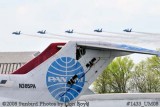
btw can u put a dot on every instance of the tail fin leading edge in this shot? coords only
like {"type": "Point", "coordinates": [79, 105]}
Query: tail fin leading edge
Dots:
{"type": "Point", "coordinates": [47, 53]}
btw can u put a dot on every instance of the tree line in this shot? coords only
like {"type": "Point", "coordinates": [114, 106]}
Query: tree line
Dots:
{"type": "Point", "coordinates": [122, 76]}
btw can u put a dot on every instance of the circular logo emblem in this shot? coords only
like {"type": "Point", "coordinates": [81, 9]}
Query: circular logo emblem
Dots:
{"type": "Point", "coordinates": [65, 79]}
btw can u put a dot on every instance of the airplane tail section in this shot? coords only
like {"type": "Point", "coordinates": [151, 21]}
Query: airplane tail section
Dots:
{"type": "Point", "coordinates": [66, 73]}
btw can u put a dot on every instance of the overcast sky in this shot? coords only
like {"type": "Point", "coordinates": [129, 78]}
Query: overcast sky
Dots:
{"type": "Point", "coordinates": [83, 16]}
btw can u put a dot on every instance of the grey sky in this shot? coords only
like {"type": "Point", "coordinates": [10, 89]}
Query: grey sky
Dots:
{"type": "Point", "coordinates": [56, 16]}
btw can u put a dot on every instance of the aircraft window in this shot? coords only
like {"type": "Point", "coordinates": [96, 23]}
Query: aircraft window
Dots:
{"type": "Point", "coordinates": [3, 81]}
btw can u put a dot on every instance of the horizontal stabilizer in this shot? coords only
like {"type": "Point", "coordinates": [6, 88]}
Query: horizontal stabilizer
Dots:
{"type": "Point", "coordinates": [118, 47]}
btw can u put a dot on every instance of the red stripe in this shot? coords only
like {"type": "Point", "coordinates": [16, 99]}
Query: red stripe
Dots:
{"type": "Point", "coordinates": [47, 53]}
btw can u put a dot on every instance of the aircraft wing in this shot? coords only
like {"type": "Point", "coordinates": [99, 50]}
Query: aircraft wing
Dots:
{"type": "Point", "coordinates": [118, 47]}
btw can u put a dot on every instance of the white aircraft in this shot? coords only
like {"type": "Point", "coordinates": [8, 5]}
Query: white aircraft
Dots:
{"type": "Point", "coordinates": [63, 71]}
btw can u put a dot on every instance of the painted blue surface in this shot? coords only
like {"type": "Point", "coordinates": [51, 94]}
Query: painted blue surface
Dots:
{"type": "Point", "coordinates": [59, 73]}
{"type": "Point", "coordinates": [139, 49]}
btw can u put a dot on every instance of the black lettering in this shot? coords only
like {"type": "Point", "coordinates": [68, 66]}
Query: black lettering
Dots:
{"type": "Point", "coordinates": [72, 80]}
{"type": "Point", "coordinates": [27, 86]}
